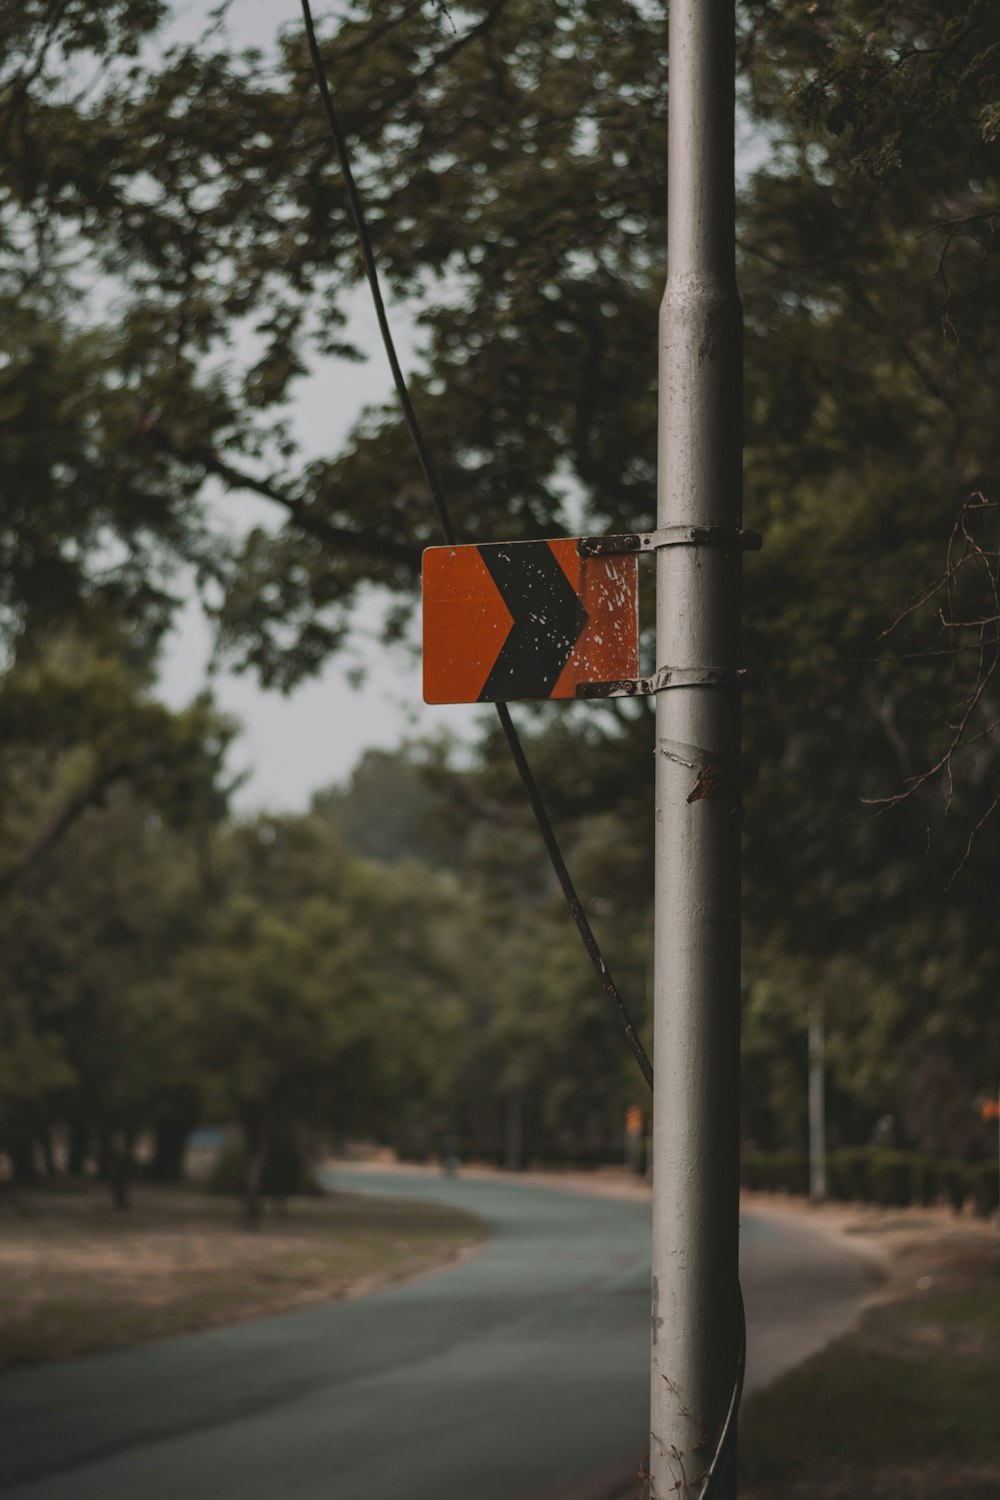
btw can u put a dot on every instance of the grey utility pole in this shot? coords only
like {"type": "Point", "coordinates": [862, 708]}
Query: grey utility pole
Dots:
{"type": "Point", "coordinates": [695, 1322]}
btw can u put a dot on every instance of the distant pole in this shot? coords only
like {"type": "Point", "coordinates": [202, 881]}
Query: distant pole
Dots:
{"type": "Point", "coordinates": [817, 1108]}
{"type": "Point", "coordinates": [695, 1334]}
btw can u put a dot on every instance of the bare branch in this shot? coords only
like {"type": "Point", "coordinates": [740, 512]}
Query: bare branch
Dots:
{"type": "Point", "coordinates": [970, 564]}
{"type": "Point", "coordinates": [336, 538]}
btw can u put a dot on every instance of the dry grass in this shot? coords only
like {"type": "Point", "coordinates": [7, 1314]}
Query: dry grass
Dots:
{"type": "Point", "coordinates": [904, 1408]}
{"type": "Point", "coordinates": [923, 1481]}
{"type": "Point", "coordinates": [78, 1276]}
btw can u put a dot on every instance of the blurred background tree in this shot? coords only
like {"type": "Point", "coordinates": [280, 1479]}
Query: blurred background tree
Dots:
{"type": "Point", "coordinates": [175, 249]}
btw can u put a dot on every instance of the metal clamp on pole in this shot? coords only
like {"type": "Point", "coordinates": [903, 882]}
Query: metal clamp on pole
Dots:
{"type": "Point", "coordinates": [628, 543]}
{"type": "Point", "coordinates": [667, 677]}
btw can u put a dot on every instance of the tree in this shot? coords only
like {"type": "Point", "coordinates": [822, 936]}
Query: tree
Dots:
{"type": "Point", "coordinates": [511, 157]}
{"type": "Point", "coordinates": [160, 206]}
{"type": "Point", "coordinates": [537, 1051]}
{"type": "Point", "coordinates": [79, 723]}
{"type": "Point", "coordinates": [390, 809]}
{"type": "Point", "coordinates": [107, 805]}
{"type": "Point", "coordinates": [871, 281]}
{"type": "Point", "coordinates": [324, 995]}
{"type": "Point", "coordinates": [89, 1016]}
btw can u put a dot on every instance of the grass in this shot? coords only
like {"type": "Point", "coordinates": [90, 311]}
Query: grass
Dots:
{"type": "Point", "coordinates": [904, 1408]}
{"type": "Point", "coordinates": [77, 1276]}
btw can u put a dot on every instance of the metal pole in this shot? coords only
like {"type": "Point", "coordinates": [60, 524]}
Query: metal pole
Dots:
{"type": "Point", "coordinates": [817, 1111]}
{"type": "Point", "coordinates": [695, 1334]}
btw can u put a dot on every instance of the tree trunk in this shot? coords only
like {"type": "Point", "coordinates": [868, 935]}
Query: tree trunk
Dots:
{"type": "Point", "coordinates": [79, 1149]}
{"type": "Point", "coordinates": [169, 1149]}
{"type": "Point", "coordinates": [22, 1159]}
{"type": "Point", "coordinates": [48, 1152]}
{"type": "Point", "coordinates": [120, 1170]}
{"type": "Point", "coordinates": [105, 1155]}
{"type": "Point", "coordinates": [257, 1133]}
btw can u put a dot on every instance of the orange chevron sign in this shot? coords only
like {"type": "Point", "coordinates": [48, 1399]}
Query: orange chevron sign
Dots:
{"type": "Point", "coordinates": [515, 620]}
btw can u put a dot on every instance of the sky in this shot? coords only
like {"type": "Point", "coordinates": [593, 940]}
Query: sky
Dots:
{"type": "Point", "coordinates": [292, 745]}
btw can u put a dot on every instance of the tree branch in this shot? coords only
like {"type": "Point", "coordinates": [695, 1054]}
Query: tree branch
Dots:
{"type": "Point", "coordinates": [336, 538]}
{"type": "Point", "coordinates": [60, 824]}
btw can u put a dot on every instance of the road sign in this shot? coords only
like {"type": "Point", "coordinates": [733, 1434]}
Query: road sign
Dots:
{"type": "Point", "coordinates": [511, 620]}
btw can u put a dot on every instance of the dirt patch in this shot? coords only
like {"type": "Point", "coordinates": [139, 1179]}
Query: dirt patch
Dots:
{"type": "Point", "coordinates": [77, 1276]}
{"type": "Point", "coordinates": [912, 1244]}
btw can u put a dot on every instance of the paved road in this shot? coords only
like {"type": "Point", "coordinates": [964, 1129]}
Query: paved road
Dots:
{"type": "Point", "coordinates": [520, 1375]}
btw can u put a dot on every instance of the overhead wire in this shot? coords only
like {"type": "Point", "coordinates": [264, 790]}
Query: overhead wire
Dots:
{"type": "Point", "coordinates": [510, 733]}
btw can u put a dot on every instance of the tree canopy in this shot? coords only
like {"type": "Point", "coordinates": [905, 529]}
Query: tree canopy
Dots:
{"type": "Point", "coordinates": [176, 249]}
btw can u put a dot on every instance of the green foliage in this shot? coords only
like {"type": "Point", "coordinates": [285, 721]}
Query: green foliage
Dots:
{"type": "Point", "coordinates": [512, 157]}
{"type": "Point", "coordinates": [106, 802]}
{"type": "Point", "coordinates": [905, 1399]}
{"type": "Point", "coordinates": [80, 707]}
{"type": "Point", "coordinates": [984, 1186]}
{"type": "Point", "coordinates": [389, 810]}
{"type": "Point", "coordinates": [775, 1172]}
{"type": "Point", "coordinates": [868, 1174]}
{"type": "Point", "coordinates": [88, 942]}
{"type": "Point", "coordinates": [286, 1172]}
{"type": "Point", "coordinates": [847, 1173]}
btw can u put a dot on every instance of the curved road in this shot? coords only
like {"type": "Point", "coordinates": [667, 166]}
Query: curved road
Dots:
{"type": "Point", "coordinates": [520, 1375]}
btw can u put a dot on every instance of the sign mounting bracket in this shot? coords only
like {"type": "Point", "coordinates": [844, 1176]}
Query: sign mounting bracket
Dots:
{"type": "Point", "coordinates": [627, 543]}
{"type": "Point", "coordinates": [664, 678]}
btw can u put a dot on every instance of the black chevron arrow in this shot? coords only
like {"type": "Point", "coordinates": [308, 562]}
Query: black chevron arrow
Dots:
{"type": "Point", "coordinates": [548, 620]}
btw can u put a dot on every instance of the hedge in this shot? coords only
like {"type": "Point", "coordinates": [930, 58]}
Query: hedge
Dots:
{"type": "Point", "coordinates": [869, 1174]}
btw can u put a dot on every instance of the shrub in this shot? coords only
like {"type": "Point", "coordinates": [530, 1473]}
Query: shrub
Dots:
{"type": "Point", "coordinates": [956, 1182]}
{"type": "Point", "coordinates": [847, 1174]}
{"type": "Point", "coordinates": [984, 1186]}
{"type": "Point", "coordinates": [890, 1175]}
{"type": "Point", "coordinates": [575, 1154]}
{"type": "Point", "coordinates": [287, 1172]}
{"type": "Point", "coordinates": [792, 1172]}
{"type": "Point", "coordinates": [755, 1171]}
{"type": "Point", "coordinates": [926, 1185]}
{"type": "Point", "coordinates": [413, 1151]}
{"type": "Point", "coordinates": [866, 1174]}
{"type": "Point", "coordinates": [775, 1171]}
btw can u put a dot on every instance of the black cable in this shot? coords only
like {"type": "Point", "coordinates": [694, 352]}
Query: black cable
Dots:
{"type": "Point", "coordinates": [447, 528]}
{"type": "Point", "coordinates": [503, 713]}
{"type": "Point", "coordinates": [734, 1400]}
{"type": "Point", "coordinates": [371, 271]}
{"type": "Point", "coordinates": [569, 890]}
